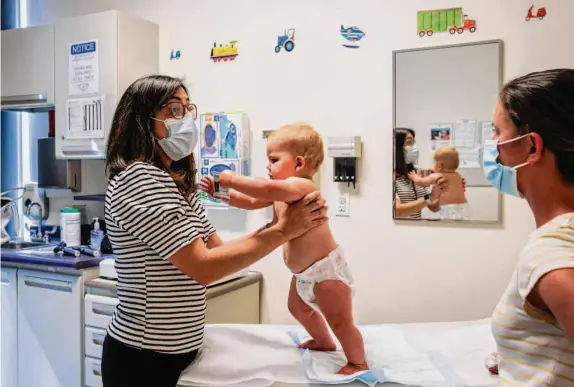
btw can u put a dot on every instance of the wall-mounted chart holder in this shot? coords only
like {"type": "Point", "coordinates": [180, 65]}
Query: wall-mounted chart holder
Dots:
{"type": "Point", "coordinates": [345, 152]}
{"type": "Point", "coordinates": [224, 145]}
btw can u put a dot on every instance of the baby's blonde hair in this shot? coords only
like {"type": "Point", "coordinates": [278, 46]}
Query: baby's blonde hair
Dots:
{"type": "Point", "coordinates": [301, 139]}
{"type": "Point", "coordinates": [448, 156]}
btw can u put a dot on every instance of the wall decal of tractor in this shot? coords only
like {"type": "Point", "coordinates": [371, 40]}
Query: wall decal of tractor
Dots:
{"type": "Point", "coordinates": [452, 20]}
{"type": "Point", "coordinates": [540, 13]}
{"type": "Point", "coordinates": [286, 41]}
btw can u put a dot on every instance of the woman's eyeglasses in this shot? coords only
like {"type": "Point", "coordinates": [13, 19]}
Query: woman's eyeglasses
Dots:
{"type": "Point", "coordinates": [178, 110]}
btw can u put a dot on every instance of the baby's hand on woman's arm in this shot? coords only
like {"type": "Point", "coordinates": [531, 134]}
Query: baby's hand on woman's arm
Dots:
{"type": "Point", "coordinates": [416, 178]}
{"type": "Point", "coordinates": [207, 185]}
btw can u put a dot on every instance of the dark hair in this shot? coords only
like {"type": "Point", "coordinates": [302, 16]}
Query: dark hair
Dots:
{"type": "Point", "coordinates": [412, 132]}
{"type": "Point", "coordinates": [131, 137]}
{"type": "Point", "coordinates": [401, 166]}
{"type": "Point", "coordinates": [543, 103]}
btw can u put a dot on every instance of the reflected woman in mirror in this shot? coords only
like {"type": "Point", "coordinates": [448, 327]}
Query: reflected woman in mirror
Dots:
{"type": "Point", "coordinates": [409, 198]}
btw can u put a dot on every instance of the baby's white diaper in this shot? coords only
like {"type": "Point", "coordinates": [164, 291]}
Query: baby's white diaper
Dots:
{"type": "Point", "coordinates": [454, 211]}
{"type": "Point", "coordinates": [332, 267]}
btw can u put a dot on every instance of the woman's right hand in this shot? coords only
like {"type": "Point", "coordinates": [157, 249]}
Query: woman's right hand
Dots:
{"type": "Point", "coordinates": [298, 218]}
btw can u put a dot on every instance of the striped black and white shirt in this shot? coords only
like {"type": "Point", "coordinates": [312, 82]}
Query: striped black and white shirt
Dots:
{"type": "Point", "coordinates": [407, 192]}
{"type": "Point", "coordinates": [148, 220]}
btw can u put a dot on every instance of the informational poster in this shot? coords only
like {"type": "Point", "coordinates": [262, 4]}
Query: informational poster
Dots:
{"type": "Point", "coordinates": [469, 158]}
{"type": "Point", "coordinates": [440, 135]}
{"type": "Point", "coordinates": [465, 134]}
{"type": "Point", "coordinates": [85, 118]}
{"type": "Point", "coordinates": [83, 68]}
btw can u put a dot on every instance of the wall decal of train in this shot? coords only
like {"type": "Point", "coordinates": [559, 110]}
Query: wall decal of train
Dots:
{"type": "Point", "coordinates": [451, 20]}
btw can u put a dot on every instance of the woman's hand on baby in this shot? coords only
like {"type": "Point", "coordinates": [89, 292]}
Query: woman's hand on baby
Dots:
{"type": "Point", "coordinates": [441, 182]}
{"type": "Point", "coordinates": [300, 217]}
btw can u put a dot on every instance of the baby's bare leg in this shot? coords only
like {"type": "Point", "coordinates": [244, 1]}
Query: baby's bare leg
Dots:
{"type": "Point", "coordinates": [312, 321]}
{"type": "Point", "coordinates": [334, 299]}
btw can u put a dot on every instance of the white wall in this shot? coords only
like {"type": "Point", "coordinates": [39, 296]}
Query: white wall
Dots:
{"type": "Point", "coordinates": [403, 272]}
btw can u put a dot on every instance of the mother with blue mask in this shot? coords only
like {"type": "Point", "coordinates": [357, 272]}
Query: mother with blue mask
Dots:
{"type": "Point", "coordinates": [166, 249]}
{"type": "Point", "coordinates": [531, 156]}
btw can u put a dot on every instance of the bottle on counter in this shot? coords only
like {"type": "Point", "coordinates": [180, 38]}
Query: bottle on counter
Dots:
{"type": "Point", "coordinates": [96, 236]}
{"type": "Point", "coordinates": [70, 226]}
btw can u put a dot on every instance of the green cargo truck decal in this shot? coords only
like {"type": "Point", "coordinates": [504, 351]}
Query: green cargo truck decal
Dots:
{"type": "Point", "coordinates": [452, 20]}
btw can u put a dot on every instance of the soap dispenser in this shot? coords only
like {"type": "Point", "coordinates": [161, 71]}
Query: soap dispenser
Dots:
{"type": "Point", "coordinates": [96, 236]}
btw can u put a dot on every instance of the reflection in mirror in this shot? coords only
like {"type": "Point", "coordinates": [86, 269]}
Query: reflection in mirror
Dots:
{"type": "Point", "coordinates": [444, 99]}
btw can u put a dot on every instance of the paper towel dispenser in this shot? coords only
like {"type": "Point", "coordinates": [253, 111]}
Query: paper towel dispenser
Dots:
{"type": "Point", "coordinates": [57, 173]}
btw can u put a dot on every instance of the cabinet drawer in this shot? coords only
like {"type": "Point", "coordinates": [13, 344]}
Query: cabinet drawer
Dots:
{"type": "Point", "coordinates": [99, 310]}
{"type": "Point", "coordinates": [94, 340]}
{"type": "Point", "coordinates": [93, 373]}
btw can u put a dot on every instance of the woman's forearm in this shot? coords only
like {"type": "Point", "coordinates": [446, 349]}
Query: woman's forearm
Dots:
{"type": "Point", "coordinates": [434, 206]}
{"type": "Point", "coordinates": [209, 265]}
{"type": "Point", "coordinates": [405, 209]}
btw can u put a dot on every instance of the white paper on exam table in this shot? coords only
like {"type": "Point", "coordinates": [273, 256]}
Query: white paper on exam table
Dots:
{"type": "Point", "coordinates": [466, 360]}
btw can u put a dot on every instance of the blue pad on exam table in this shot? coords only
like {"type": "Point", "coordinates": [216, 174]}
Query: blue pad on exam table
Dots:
{"type": "Point", "coordinates": [433, 354]}
{"type": "Point", "coordinates": [391, 358]}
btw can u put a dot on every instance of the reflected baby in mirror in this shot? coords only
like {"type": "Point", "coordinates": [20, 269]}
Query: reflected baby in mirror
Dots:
{"type": "Point", "coordinates": [453, 203]}
{"type": "Point", "coordinates": [322, 284]}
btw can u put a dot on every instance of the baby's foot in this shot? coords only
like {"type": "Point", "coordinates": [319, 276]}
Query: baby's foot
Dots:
{"type": "Point", "coordinates": [351, 369]}
{"type": "Point", "coordinates": [312, 345]}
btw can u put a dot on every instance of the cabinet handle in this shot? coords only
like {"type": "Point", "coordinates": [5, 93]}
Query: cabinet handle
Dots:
{"type": "Point", "coordinates": [98, 339]}
{"type": "Point", "coordinates": [51, 284]}
{"type": "Point", "coordinates": [103, 309]}
{"type": "Point", "coordinates": [97, 369]}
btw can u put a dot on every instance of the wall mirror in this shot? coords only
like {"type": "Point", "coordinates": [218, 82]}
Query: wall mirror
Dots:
{"type": "Point", "coordinates": [444, 99]}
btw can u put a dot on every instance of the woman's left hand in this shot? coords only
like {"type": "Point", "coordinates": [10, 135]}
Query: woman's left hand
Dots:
{"type": "Point", "coordinates": [441, 183]}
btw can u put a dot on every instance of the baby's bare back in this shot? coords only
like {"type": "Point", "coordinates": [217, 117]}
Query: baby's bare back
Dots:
{"type": "Point", "coordinates": [454, 193]}
{"type": "Point", "coordinates": [303, 251]}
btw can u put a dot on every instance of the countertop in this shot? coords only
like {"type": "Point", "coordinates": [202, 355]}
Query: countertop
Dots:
{"type": "Point", "coordinates": [44, 259]}
{"type": "Point", "coordinates": [212, 291]}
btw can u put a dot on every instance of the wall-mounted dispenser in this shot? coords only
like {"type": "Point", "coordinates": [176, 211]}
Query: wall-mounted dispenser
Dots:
{"type": "Point", "coordinates": [345, 152]}
{"type": "Point", "coordinates": [57, 173]}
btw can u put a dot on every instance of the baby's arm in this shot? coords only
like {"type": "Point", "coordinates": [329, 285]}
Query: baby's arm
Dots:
{"type": "Point", "coordinates": [234, 199]}
{"type": "Point", "coordinates": [246, 202]}
{"type": "Point", "coordinates": [427, 181]}
{"type": "Point", "coordinates": [288, 190]}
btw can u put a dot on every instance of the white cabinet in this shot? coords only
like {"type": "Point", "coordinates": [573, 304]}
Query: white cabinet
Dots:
{"type": "Point", "coordinates": [49, 329]}
{"type": "Point", "coordinates": [9, 327]}
{"type": "Point", "coordinates": [28, 67]}
{"type": "Point", "coordinates": [118, 48]}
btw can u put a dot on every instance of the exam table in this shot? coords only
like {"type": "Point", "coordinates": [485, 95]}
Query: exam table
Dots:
{"type": "Point", "coordinates": [235, 350]}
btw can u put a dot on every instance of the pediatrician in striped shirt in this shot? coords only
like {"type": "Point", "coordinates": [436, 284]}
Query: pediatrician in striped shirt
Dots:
{"type": "Point", "coordinates": [532, 157]}
{"type": "Point", "coordinates": [166, 249]}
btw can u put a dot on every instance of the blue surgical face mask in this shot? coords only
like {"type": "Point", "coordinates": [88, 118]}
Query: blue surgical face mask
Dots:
{"type": "Point", "coordinates": [412, 155]}
{"type": "Point", "coordinates": [182, 139]}
{"type": "Point", "coordinates": [501, 177]}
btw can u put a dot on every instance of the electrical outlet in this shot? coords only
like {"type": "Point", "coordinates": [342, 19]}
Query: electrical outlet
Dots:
{"type": "Point", "coordinates": [342, 208]}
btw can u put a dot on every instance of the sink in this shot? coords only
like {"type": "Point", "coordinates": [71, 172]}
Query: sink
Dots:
{"type": "Point", "coordinates": [22, 245]}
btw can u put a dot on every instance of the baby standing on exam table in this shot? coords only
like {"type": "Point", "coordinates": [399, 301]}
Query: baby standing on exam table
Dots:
{"type": "Point", "coordinates": [453, 203]}
{"type": "Point", "coordinates": [322, 282]}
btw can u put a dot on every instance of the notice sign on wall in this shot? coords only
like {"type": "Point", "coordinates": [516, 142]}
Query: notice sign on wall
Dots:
{"type": "Point", "coordinates": [83, 70]}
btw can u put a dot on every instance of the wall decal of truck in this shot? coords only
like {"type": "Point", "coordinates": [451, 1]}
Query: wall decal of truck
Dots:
{"type": "Point", "coordinates": [452, 20]}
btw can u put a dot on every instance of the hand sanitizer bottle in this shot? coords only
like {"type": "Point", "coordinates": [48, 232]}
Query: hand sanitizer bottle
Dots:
{"type": "Point", "coordinates": [96, 236]}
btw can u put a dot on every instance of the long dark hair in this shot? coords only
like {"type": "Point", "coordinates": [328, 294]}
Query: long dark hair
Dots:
{"type": "Point", "coordinates": [402, 168]}
{"type": "Point", "coordinates": [543, 103]}
{"type": "Point", "coordinates": [131, 136]}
